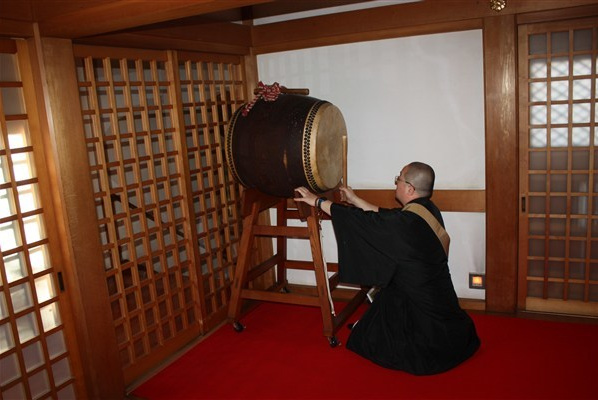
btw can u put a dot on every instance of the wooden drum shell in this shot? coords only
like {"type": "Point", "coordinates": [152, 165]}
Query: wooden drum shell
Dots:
{"type": "Point", "coordinates": [293, 141]}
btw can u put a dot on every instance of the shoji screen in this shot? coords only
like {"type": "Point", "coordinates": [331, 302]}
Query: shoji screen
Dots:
{"type": "Point", "coordinates": [168, 211]}
{"type": "Point", "coordinates": [35, 353]}
{"type": "Point", "coordinates": [558, 169]}
{"type": "Point", "coordinates": [211, 89]}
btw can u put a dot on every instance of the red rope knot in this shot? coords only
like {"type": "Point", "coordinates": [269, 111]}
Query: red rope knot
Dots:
{"type": "Point", "coordinates": [266, 92]}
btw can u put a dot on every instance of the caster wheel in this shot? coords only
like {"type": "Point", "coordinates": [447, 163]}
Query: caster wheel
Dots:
{"type": "Point", "coordinates": [333, 341]}
{"type": "Point", "coordinates": [238, 327]}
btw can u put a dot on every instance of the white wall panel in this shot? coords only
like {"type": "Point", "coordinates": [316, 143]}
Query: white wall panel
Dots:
{"type": "Point", "coordinates": [417, 98]}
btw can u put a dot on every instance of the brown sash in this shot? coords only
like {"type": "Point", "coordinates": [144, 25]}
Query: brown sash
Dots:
{"type": "Point", "coordinates": [423, 212]}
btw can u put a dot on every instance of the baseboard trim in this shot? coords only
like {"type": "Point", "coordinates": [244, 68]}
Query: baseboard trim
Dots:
{"type": "Point", "coordinates": [347, 293]}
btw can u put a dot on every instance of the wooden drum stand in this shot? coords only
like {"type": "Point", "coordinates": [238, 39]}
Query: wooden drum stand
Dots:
{"type": "Point", "coordinates": [253, 203]}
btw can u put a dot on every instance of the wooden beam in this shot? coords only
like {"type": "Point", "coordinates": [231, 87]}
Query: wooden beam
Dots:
{"type": "Point", "coordinates": [144, 41]}
{"type": "Point", "coordinates": [217, 32]}
{"type": "Point", "coordinates": [552, 15]}
{"type": "Point", "coordinates": [117, 52]}
{"type": "Point", "coordinates": [8, 46]}
{"type": "Point", "coordinates": [117, 15]}
{"type": "Point", "coordinates": [12, 28]}
{"type": "Point", "coordinates": [424, 17]}
{"type": "Point", "coordinates": [222, 37]}
{"type": "Point", "coordinates": [446, 200]}
{"type": "Point", "coordinates": [357, 36]}
{"type": "Point", "coordinates": [500, 81]}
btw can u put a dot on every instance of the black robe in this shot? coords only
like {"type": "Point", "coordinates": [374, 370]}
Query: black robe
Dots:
{"type": "Point", "coordinates": [415, 323]}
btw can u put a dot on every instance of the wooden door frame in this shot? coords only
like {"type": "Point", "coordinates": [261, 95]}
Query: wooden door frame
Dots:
{"type": "Point", "coordinates": [60, 124]}
{"type": "Point", "coordinates": [502, 190]}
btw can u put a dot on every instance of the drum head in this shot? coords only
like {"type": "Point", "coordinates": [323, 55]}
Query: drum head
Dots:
{"type": "Point", "coordinates": [324, 142]}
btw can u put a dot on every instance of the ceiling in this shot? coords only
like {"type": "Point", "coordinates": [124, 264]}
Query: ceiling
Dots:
{"type": "Point", "coordinates": [223, 26]}
{"type": "Point", "coordinates": [82, 18]}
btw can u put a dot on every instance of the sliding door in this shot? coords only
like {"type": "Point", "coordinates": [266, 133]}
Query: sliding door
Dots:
{"type": "Point", "coordinates": [211, 89]}
{"type": "Point", "coordinates": [37, 350]}
{"type": "Point", "coordinates": [558, 261]}
{"type": "Point", "coordinates": [167, 210]}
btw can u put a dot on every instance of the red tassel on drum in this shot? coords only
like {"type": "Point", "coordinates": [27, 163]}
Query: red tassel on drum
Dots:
{"type": "Point", "coordinates": [266, 92]}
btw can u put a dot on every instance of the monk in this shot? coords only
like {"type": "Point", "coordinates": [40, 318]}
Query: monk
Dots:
{"type": "Point", "coordinates": [415, 323]}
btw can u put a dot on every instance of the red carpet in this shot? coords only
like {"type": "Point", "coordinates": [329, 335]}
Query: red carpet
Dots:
{"type": "Point", "coordinates": [282, 354]}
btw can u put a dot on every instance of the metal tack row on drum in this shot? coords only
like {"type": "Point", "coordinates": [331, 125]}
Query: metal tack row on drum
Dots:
{"type": "Point", "coordinates": [293, 141]}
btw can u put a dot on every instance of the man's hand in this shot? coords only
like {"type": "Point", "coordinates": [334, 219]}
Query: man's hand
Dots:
{"type": "Point", "coordinates": [306, 196]}
{"type": "Point", "coordinates": [348, 195]}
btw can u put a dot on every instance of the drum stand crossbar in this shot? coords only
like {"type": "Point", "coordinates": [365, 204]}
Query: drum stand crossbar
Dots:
{"type": "Point", "coordinates": [255, 202]}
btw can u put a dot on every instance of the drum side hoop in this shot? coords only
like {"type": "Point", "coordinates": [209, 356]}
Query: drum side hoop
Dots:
{"type": "Point", "coordinates": [307, 130]}
{"type": "Point", "coordinates": [228, 146]}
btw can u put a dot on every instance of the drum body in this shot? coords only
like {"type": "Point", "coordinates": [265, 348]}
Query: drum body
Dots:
{"type": "Point", "coordinates": [293, 141]}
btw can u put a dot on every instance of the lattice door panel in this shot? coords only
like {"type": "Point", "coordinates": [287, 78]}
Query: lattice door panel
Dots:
{"type": "Point", "coordinates": [212, 89]}
{"type": "Point", "coordinates": [559, 168]}
{"type": "Point", "coordinates": [34, 357]}
{"type": "Point", "coordinates": [135, 156]}
{"type": "Point", "coordinates": [168, 211]}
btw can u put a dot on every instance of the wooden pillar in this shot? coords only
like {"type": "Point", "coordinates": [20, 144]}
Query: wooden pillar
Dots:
{"type": "Point", "coordinates": [263, 248]}
{"type": "Point", "coordinates": [500, 68]}
{"type": "Point", "coordinates": [85, 280]}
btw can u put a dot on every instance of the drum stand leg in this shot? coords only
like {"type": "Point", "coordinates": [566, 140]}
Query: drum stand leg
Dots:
{"type": "Point", "coordinates": [245, 273]}
{"type": "Point", "coordinates": [243, 261]}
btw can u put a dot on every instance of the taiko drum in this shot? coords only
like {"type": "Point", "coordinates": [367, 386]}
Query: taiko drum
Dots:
{"type": "Point", "coordinates": [292, 141]}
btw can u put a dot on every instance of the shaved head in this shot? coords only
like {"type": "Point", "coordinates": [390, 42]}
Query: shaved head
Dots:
{"type": "Point", "coordinates": [421, 176]}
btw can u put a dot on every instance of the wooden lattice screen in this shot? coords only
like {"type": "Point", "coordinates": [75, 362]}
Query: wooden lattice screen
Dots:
{"type": "Point", "coordinates": [559, 167]}
{"type": "Point", "coordinates": [167, 209]}
{"type": "Point", "coordinates": [35, 349]}
{"type": "Point", "coordinates": [211, 91]}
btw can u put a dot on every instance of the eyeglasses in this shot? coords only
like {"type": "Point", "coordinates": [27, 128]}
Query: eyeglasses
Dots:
{"type": "Point", "coordinates": [398, 179]}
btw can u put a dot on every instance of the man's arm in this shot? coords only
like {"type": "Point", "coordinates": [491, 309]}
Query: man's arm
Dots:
{"type": "Point", "coordinates": [314, 201]}
{"type": "Point", "coordinates": [357, 201]}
